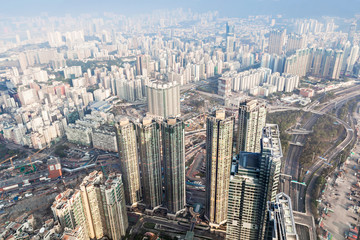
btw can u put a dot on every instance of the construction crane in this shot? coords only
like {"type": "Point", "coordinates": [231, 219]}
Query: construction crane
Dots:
{"type": "Point", "coordinates": [9, 159]}
{"type": "Point", "coordinates": [29, 158]}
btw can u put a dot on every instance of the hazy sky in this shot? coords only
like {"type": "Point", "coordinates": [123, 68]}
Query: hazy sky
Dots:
{"type": "Point", "coordinates": [231, 8]}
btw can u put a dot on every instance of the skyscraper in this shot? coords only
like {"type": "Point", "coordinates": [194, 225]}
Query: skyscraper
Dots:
{"type": "Point", "coordinates": [276, 41]}
{"type": "Point", "coordinates": [229, 29]}
{"type": "Point", "coordinates": [336, 64]}
{"type": "Point", "coordinates": [142, 62]}
{"type": "Point", "coordinates": [347, 49]}
{"type": "Point", "coordinates": [114, 206]}
{"type": "Point", "coordinates": [352, 31]}
{"type": "Point", "coordinates": [252, 117]}
{"type": "Point", "coordinates": [280, 220]}
{"type": "Point", "coordinates": [299, 63]}
{"type": "Point", "coordinates": [93, 206]}
{"type": "Point", "coordinates": [163, 99]}
{"type": "Point", "coordinates": [174, 164]}
{"type": "Point", "coordinates": [253, 183]}
{"type": "Point", "coordinates": [230, 41]}
{"type": "Point", "coordinates": [219, 140]}
{"type": "Point", "coordinates": [128, 154]}
{"type": "Point", "coordinates": [150, 156]}
{"type": "Point", "coordinates": [326, 62]}
{"type": "Point", "coordinates": [97, 210]}
{"type": "Point", "coordinates": [68, 209]}
{"type": "Point", "coordinates": [317, 61]}
{"type": "Point", "coordinates": [295, 42]}
{"type": "Point", "coordinates": [271, 144]}
{"type": "Point", "coordinates": [354, 55]}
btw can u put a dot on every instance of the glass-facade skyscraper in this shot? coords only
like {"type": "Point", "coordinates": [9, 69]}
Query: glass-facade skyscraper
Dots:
{"type": "Point", "coordinates": [253, 182]}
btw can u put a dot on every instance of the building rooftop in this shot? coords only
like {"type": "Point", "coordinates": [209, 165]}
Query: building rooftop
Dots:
{"type": "Point", "coordinates": [161, 85]}
{"type": "Point", "coordinates": [284, 202]}
{"type": "Point", "coordinates": [271, 140]}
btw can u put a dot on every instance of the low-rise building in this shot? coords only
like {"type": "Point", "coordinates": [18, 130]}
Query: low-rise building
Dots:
{"type": "Point", "coordinates": [307, 92]}
{"type": "Point", "coordinates": [79, 134]}
{"type": "Point", "coordinates": [104, 138]}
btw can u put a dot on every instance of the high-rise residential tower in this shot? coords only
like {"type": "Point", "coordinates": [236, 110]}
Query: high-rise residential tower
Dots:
{"type": "Point", "coordinates": [163, 99]}
{"type": "Point", "coordinates": [354, 55]}
{"type": "Point", "coordinates": [230, 41]}
{"type": "Point", "coordinates": [97, 210]}
{"type": "Point", "coordinates": [253, 182]}
{"type": "Point", "coordinates": [93, 206]}
{"type": "Point", "coordinates": [252, 117]}
{"type": "Point", "coordinates": [68, 209]}
{"type": "Point", "coordinates": [114, 205]}
{"type": "Point", "coordinates": [150, 156]}
{"type": "Point", "coordinates": [295, 42]}
{"type": "Point", "coordinates": [336, 64]}
{"type": "Point", "coordinates": [299, 63]}
{"type": "Point", "coordinates": [219, 140]}
{"type": "Point", "coordinates": [174, 164]}
{"type": "Point", "coordinates": [276, 41]}
{"type": "Point", "coordinates": [128, 153]}
{"type": "Point", "coordinates": [352, 31]}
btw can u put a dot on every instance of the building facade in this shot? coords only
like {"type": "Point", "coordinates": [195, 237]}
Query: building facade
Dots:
{"type": "Point", "coordinates": [114, 206]}
{"type": "Point", "coordinates": [68, 210]}
{"type": "Point", "coordinates": [253, 182]}
{"type": "Point", "coordinates": [150, 156]}
{"type": "Point", "coordinates": [174, 164]}
{"type": "Point", "coordinates": [276, 41]}
{"type": "Point", "coordinates": [163, 99]}
{"type": "Point", "coordinates": [93, 205]}
{"type": "Point", "coordinates": [95, 211]}
{"type": "Point", "coordinates": [252, 117]}
{"type": "Point", "coordinates": [219, 147]}
{"type": "Point", "coordinates": [280, 224]}
{"type": "Point", "coordinates": [104, 138]}
{"type": "Point", "coordinates": [128, 154]}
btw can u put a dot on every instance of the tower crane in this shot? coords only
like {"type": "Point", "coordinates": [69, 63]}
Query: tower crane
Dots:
{"type": "Point", "coordinates": [9, 159]}
{"type": "Point", "coordinates": [29, 158]}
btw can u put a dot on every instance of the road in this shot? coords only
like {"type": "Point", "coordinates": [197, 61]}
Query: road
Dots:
{"type": "Point", "coordinates": [296, 191]}
{"type": "Point", "coordinates": [181, 228]}
{"type": "Point", "coordinates": [310, 179]}
{"type": "Point", "coordinates": [291, 163]}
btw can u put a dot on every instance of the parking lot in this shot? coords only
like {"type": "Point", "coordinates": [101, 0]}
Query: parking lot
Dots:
{"type": "Point", "coordinates": [340, 200]}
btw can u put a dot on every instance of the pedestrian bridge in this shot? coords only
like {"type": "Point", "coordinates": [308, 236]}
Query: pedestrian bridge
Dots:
{"type": "Point", "coordinates": [297, 144]}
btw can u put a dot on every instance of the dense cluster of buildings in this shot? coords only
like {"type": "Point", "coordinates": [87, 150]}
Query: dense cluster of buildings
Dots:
{"type": "Point", "coordinates": [25, 227]}
{"type": "Point", "coordinates": [142, 141]}
{"type": "Point", "coordinates": [70, 87]}
{"type": "Point", "coordinates": [47, 87]}
{"type": "Point", "coordinates": [95, 210]}
{"type": "Point", "coordinates": [257, 82]}
{"type": "Point", "coordinates": [235, 181]}
{"type": "Point", "coordinates": [239, 185]}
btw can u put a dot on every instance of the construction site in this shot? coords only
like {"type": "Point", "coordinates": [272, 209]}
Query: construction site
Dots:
{"type": "Point", "coordinates": [29, 185]}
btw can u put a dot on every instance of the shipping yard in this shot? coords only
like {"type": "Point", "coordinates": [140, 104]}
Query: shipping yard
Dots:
{"type": "Point", "coordinates": [341, 200]}
{"type": "Point", "coordinates": [339, 204]}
